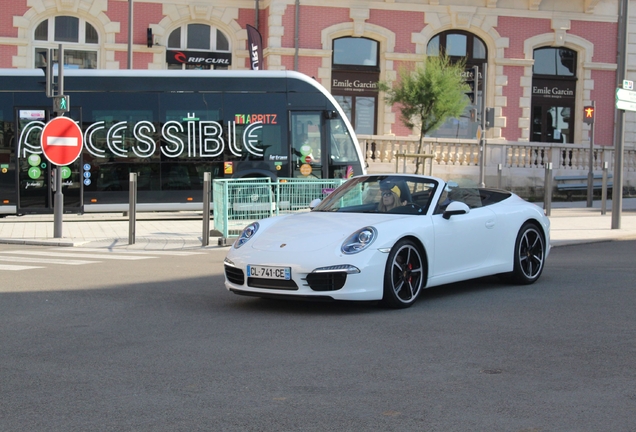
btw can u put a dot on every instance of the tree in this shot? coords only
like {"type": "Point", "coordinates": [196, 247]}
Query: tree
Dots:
{"type": "Point", "coordinates": [429, 95]}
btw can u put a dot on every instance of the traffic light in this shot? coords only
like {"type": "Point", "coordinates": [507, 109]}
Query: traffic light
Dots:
{"type": "Point", "coordinates": [490, 117]}
{"type": "Point", "coordinates": [61, 104]}
{"type": "Point", "coordinates": [470, 80]}
{"type": "Point", "coordinates": [588, 114]}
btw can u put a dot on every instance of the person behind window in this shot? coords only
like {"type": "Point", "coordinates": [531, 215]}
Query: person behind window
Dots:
{"type": "Point", "coordinates": [390, 198]}
{"type": "Point", "coordinates": [308, 151]}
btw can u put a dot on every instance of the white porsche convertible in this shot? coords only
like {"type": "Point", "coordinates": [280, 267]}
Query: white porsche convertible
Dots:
{"type": "Point", "coordinates": [387, 237]}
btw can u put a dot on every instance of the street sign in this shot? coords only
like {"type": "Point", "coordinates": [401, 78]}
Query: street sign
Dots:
{"type": "Point", "coordinates": [628, 85]}
{"type": "Point", "coordinates": [627, 106]}
{"type": "Point", "coordinates": [625, 95]}
{"type": "Point", "coordinates": [61, 141]}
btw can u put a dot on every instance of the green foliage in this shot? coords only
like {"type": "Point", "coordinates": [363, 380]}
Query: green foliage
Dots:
{"type": "Point", "coordinates": [429, 95]}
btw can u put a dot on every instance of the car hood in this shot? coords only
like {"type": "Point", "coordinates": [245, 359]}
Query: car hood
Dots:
{"type": "Point", "coordinates": [308, 232]}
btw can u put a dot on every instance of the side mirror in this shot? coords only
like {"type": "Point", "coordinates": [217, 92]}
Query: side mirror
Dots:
{"type": "Point", "coordinates": [314, 203]}
{"type": "Point", "coordinates": [455, 208]}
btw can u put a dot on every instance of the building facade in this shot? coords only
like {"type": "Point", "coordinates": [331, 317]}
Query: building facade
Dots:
{"type": "Point", "coordinates": [541, 61]}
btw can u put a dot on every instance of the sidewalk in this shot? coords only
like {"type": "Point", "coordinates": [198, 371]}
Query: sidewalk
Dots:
{"type": "Point", "coordinates": [153, 231]}
{"type": "Point", "coordinates": [574, 223]}
{"type": "Point", "coordinates": [571, 223]}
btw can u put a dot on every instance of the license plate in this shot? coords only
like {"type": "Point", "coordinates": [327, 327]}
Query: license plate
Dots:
{"type": "Point", "coordinates": [266, 272]}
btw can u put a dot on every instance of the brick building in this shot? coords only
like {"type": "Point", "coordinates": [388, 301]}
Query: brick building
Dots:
{"type": "Point", "coordinates": [546, 59]}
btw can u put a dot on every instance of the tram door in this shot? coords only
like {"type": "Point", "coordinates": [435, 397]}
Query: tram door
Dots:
{"type": "Point", "coordinates": [308, 149]}
{"type": "Point", "coordinates": [35, 174]}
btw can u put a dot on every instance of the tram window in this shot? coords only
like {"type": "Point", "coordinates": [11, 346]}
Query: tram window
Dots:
{"type": "Point", "coordinates": [265, 139]}
{"type": "Point", "coordinates": [116, 138]}
{"type": "Point", "coordinates": [176, 176]}
{"type": "Point", "coordinates": [342, 148]}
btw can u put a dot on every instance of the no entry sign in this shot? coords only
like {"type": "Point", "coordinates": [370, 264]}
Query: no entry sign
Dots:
{"type": "Point", "coordinates": [61, 141]}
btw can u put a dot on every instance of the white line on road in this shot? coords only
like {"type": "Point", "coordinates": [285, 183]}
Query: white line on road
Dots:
{"type": "Point", "coordinates": [45, 260]}
{"type": "Point", "coordinates": [137, 252]}
{"type": "Point", "coordinates": [77, 255]}
{"type": "Point", "coordinates": [17, 267]}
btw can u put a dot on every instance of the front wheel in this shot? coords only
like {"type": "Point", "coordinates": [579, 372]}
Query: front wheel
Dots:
{"type": "Point", "coordinates": [529, 254]}
{"type": "Point", "coordinates": [404, 275]}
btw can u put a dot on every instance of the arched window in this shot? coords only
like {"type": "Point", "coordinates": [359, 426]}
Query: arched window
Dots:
{"type": "Point", "coordinates": [553, 94]}
{"type": "Point", "coordinates": [79, 37]}
{"type": "Point", "coordinates": [554, 62]}
{"type": "Point", "coordinates": [210, 42]}
{"type": "Point", "coordinates": [461, 45]}
{"type": "Point", "coordinates": [351, 52]}
{"type": "Point", "coordinates": [354, 76]}
{"type": "Point", "coordinates": [458, 44]}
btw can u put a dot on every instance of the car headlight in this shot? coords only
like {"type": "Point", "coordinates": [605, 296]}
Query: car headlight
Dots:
{"type": "Point", "coordinates": [359, 240]}
{"type": "Point", "coordinates": [248, 233]}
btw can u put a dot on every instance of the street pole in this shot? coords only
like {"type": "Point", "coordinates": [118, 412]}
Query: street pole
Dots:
{"type": "Point", "coordinates": [58, 199]}
{"type": "Point", "coordinates": [619, 139]}
{"type": "Point", "coordinates": [130, 33]}
{"type": "Point", "coordinates": [590, 173]}
{"type": "Point", "coordinates": [482, 141]}
{"type": "Point", "coordinates": [207, 182]}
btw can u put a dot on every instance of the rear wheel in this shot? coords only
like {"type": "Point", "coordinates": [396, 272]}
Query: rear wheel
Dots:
{"type": "Point", "coordinates": [529, 254]}
{"type": "Point", "coordinates": [404, 275]}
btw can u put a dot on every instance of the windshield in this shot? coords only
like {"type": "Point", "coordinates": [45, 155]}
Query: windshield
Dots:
{"type": "Point", "coordinates": [382, 194]}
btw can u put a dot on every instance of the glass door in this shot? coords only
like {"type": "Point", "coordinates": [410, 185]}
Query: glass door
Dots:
{"type": "Point", "coordinates": [34, 171]}
{"type": "Point", "coordinates": [308, 145]}
{"type": "Point", "coordinates": [552, 124]}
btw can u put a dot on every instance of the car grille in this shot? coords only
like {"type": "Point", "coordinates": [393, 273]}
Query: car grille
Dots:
{"type": "Point", "coordinates": [326, 281]}
{"type": "Point", "coordinates": [289, 285]}
{"type": "Point", "coordinates": [234, 275]}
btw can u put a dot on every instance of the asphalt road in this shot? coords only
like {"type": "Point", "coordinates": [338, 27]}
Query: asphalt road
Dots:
{"type": "Point", "coordinates": [158, 344]}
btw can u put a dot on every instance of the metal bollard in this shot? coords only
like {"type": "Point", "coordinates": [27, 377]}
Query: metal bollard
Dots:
{"type": "Point", "coordinates": [604, 189]}
{"type": "Point", "coordinates": [547, 193]}
{"type": "Point", "coordinates": [207, 181]}
{"type": "Point", "coordinates": [132, 207]}
{"type": "Point", "coordinates": [499, 174]}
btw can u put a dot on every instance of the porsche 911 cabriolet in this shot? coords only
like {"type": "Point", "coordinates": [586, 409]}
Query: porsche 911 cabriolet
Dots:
{"type": "Point", "coordinates": [386, 238]}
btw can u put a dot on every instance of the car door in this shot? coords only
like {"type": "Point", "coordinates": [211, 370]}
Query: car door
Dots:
{"type": "Point", "coordinates": [462, 242]}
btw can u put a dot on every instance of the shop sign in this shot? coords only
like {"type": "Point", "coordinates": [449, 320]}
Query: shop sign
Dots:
{"type": "Point", "coordinates": [354, 82]}
{"type": "Point", "coordinates": [553, 89]}
{"type": "Point", "coordinates": [198, 57]}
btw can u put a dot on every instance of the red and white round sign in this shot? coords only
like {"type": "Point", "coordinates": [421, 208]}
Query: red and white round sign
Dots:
{"type": "Point", "coordinates": [61, 141]}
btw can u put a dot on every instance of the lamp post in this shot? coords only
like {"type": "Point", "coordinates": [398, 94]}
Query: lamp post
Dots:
{"type": "Point", "coordinates": [130, 33]}
{"type": "Point", "coordinates": [619, 138]}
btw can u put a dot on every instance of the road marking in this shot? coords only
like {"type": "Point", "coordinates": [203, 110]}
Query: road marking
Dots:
{"type": "Point", "coordinates": [138, 252]}
{"type": "Point", "coordinates": [65, 255]}
{"type": "Point", "coordinates": [45, 260]}
{"type": "Point", "coordinates": [17, 267]}
{"type": "Point", "coordinates": [77, 255]}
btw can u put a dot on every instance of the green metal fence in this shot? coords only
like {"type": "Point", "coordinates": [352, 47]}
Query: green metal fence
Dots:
{"type": "Point", "coordinates": [239, 202]}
